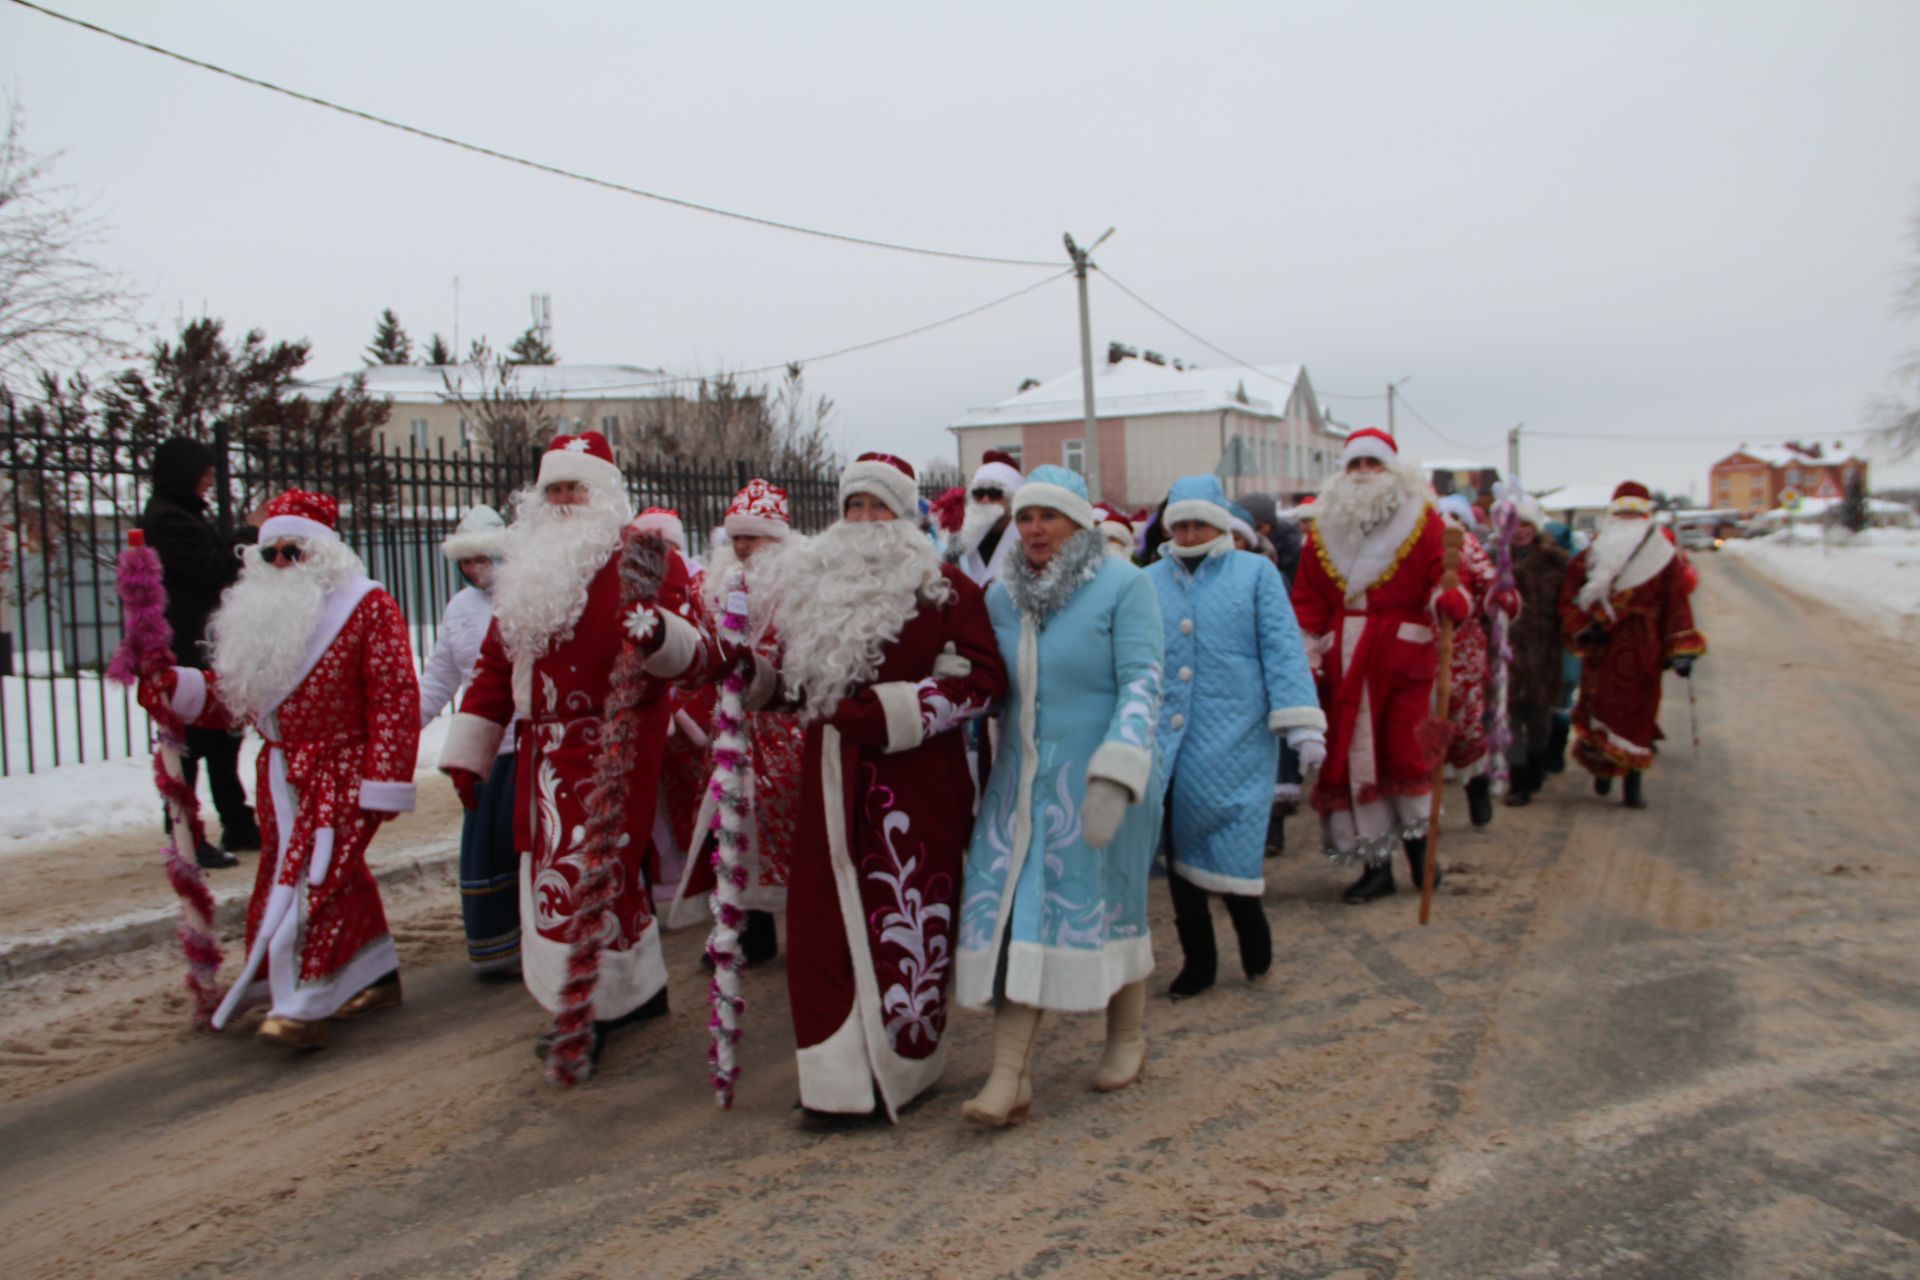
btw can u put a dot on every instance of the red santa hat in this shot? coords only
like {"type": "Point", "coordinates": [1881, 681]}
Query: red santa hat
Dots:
{"type": "Point", "coordinates": [997, 470]}
{"type": "Point", "coordinates": [1114, 525]}
{"type": "Point", "coordinates": [664, 521]}
{"type": "Point", "coordinates": [300, 514]}
{"type": "Point", "coordinates": [758, 511]}
{"type": "Point", "coordinates": [1631, 499]}
{"type": "Point", "coordinates": [1370, 442]}
{"type": "Point", "coordinates": [584, 459]}
{"type": "Point", "coordinates": [882, 476]}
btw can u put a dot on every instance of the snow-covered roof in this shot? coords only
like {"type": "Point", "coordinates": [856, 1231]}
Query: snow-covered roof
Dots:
{"type": "Point", "coordinates": [1819, 508]}
{"type": "Point", "coordinates": [1577, 497]}
{"type": "Point", "coordinates": [1136, 388]}
{"type": "Point", "coordinates": [1788, 456]}
{"type": "Point", "coordinates": [427, 383]}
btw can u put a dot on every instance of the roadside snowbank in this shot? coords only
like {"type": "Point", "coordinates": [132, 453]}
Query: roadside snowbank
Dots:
{"type": "Point", "coordinates": [1873, 575]}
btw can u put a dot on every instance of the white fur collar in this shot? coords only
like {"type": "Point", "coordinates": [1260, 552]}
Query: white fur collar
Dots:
{"type": "Point", "coordinates": [1653, 554]}
{"type": "Point", "coordinates": [1360, 560]}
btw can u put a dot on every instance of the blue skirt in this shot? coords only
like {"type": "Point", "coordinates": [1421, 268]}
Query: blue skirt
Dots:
{"type": "Point", "coordinates": [490, 874]}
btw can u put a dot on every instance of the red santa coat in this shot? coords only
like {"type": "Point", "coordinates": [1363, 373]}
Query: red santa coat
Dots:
{"type": "Point", "coordinates": [339, 757]}
{"type": "Point", "coordinates": [559, 701]}
{"type": "Point", "coordinates": [1365, 608]}
{"type": "Point", "coordinates": [1648, 621]}
{"type": "Point", "coordinates": [885, 814]}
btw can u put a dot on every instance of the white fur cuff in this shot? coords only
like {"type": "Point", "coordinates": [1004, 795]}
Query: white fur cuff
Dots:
{"type": "Point", "coordinates": [472, 742]}
{"type": "Point", "coordinates": [1207, 513]}
{"type": "Point", "coordinates": [386, 797]}
{"type": "Point", "coordinates": [189, 693]}
{"type": "Point", "coordinates": [1296, 718]}
{"type": "Point", "coordinates": [901, 702]}
{"type": "Point", "coordinates": [1124, 764]}
{"type": "Point", "coordinates": [677, 648]}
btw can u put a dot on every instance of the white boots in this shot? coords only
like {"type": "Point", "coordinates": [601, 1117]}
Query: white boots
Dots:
{"type": "Point", "coordinates": [1004, 1099]}
{"type": "Point", "coordinates": [1126, 1051]}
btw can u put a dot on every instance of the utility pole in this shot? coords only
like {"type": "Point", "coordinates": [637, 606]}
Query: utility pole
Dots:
{"type": "Point", "coordinates": [1392, 390]}
{"type": "Point", "coordinates": [1091, 447]}
{"type": "Point", "coordinates": [1513, 453]}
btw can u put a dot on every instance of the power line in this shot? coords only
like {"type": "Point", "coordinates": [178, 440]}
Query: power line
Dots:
{"type": "Point", "coordinates": [842, 351]}
{"type": "Point", "coordinates": [522, 161]}
{"type": "Point", "coordinates": [1614, 435]}
{"type": "Point", "coordinates": [1422, 420]}
{"type": "Point", "coordinates": [1213, 347]}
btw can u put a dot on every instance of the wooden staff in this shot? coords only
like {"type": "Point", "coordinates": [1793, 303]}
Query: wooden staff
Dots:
{"type": "Point", "coordinates": [1443, 708]}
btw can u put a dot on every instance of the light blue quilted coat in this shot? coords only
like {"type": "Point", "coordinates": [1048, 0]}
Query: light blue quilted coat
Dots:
{"type": "Point", "coordinates": [1236, 675]}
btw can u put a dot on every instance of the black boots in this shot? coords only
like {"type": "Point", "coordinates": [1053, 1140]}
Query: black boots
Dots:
{"type": "Point", "coordinates": [1480, 800]}
{"type": "Point", "coordinates": [1522, 782]}
{"type": "Point", "coordinates": [1277, 829]}
{"type": "Point", "coordinates": [1193, 922]}
{"type": "Point", "coordinates": [1375, 882]}
{"type": "Point", "coordinates": [213, 859]}
{"type": "Point", "coordinates": [1256, 937]}
{"type": "Point", "coordinates": [1417, 862]}
{"type": "Point", "coordinates": [1603, 786]}
{"type": "Point", "coordinates": [1633, 798]}
{"type": "Point", "coordinates": [1556, 761]}
{"type": "Point", "coordinates": [242, 835]}
{"type": "Point", "coordinates": [759, 942]}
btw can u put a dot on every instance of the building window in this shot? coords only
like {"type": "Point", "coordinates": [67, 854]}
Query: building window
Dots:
{"type": "Point", "coordinates": [417, 433]}
{"type": "Point", "coordinates": [1074, 455]}
{"type": "Point", "coordinates": [1017, 453]}
{"type": "Point", "coordinates": [610, 428]}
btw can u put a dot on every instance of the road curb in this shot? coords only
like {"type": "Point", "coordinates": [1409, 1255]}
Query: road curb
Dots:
{"type": "Point", "coordinates": [137, 930]}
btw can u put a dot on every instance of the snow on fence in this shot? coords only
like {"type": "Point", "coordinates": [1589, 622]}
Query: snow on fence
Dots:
{"type": "Point", "coordinates": [69, 497]}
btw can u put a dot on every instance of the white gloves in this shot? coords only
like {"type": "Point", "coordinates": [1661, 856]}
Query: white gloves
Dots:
{"type": "Point", "coordinates": [1310, 745]}
{"type": "Point", "coordinates": [1102, 811]}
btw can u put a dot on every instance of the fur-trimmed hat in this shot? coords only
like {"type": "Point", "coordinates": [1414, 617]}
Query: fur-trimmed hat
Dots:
{"type": "Point", "coordinates": [1057, 489]}
{"type": "Point", "coordinates": [300, 514]}
{"type": "Point", "coordinates": [1240, 521]}
{"type": "Point", "coordinates": [758, 511]}
{"type": "Point", "coordinates": [1114, 525]}
{"type": "Point", "coordinates": [1631, 499]}
{"type": "Point", "coordinates": [663, 521]}
{"type": "Point", "coordinates": [1201, 498]}
{"type": "Point", "coordinates": [584, 459]}
{"type": "Point", "coordinates": [1370, 442]}
{"type": "Point", "coordinates": [997, 470]}
{"type": "Point", "coordinates": [481, 532]}
{"type": "Point", "coordinates": [882, 476]}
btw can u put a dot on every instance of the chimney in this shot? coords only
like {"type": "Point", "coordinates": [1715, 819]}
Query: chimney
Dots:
{"type": "Point", "coordinates": [1118, 351]}
{"type": "Point", "coordinates": [1153, 357]}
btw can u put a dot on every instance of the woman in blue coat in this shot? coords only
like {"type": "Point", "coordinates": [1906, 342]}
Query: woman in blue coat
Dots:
{"type": "Point", "coordinates": [1054, 912]}
{"type": "Point", "coordinates": [1237, 677]}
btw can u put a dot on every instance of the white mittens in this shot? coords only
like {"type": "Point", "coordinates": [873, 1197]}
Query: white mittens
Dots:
{"type": "Point", "coordinates": [1102, 811]}
{"type": "Point", "coordinates": [1310, 745]}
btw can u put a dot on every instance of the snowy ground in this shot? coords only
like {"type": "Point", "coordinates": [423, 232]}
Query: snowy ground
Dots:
{"type": "Point", "coordinates": [1873, 575]}
{"type": "Point", "coordinates": [92, 799]}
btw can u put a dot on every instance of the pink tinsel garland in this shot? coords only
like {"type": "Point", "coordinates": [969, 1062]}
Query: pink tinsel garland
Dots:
{"type": "Point", "coordinates": [570, 1061]}
{"type": "Point", "coordinates": [732, 772]}
{"type": "Point", "coordinates": [146, 651]}
{"type": "Point", "coordinates": [1506, 519]}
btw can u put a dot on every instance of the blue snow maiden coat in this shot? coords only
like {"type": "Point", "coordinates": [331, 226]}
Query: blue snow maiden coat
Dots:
{"type": "Point", "coordinates": [1082, 646]}
{"type": "Point", "coordinates": [1237, 676]}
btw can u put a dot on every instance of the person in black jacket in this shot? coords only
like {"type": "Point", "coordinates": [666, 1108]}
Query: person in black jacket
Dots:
{"type": "Point", "coordinates": [199, 562]}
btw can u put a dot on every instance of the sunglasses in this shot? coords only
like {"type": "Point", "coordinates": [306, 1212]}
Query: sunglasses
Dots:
{"type": "Point", "coordinates": [988, 495]}
{"type": "Point", "coordinates": [292, 555]}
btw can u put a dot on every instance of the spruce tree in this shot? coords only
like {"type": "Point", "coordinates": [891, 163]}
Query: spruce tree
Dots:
{"type": "Point", "coordinates": [390, 344]}
{"type": "Point", "coordinates": [531, 348]}
{"type": "Point", "coordinates": [438, 352]}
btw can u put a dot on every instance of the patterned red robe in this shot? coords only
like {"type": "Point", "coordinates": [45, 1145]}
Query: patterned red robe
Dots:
{"type": "Point", "coordinates": [559, 701]}
{"type": "Point", "coordinates": [885, 814]}
{"type": "Point", "coordinates": [339, 759]}
{"type": "Point", "coordinates": [1648, 622]}
{"type": "Point", "coordinates": [1467, 708]}
{"type": "Point", "coordinates": [1365, 606]}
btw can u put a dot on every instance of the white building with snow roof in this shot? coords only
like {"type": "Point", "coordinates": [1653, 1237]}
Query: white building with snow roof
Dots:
{"type": "Point", "coordinates": [608, 398]}
{"type": "Point", "coordinates": [1261, 429]}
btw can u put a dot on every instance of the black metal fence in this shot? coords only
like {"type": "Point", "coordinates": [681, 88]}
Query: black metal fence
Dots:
{"type": "Point", "coordinates": [71, 495]}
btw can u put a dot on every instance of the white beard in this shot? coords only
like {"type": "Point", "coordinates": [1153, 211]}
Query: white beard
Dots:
{"type": "Point", "coordinates": [978, 522]}
{"type": "Point", "coordinates": [1612, 547]}
{"type": "Point", "coordinates": [1358, 502]}
{"type": "Point", "coordinates": [760, 582]}
{"type": "Point", "coordinates": [551, 556]}
{"type": "Point", "coordinates": [258, 638]}
{"type": "Point", "coordinates": [840, 598]}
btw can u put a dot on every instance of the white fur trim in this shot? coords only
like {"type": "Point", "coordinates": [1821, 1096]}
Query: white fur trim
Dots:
{"type": "Point", "coordinates": [1074, 979]}
{"type": "Point", "coordinates": [1368, 447]}
{"type": "Point", "coordinates": [672, 528]}
{"type": "Point", "coordinates": [1122, 763]}
{"type": "Point", "coordinates": [1295, 718]}
{"type": "Point", "coordinates": [834, 1075]}
{"type": "Point", "coordinates": [1058, 497]}
{"type": "Point", "coordinates": [1207, 513]}
{"type": "Point", "coordinates": [1214, 882]}
{"type": "Point", "coordinates": [1114, 531]}
{"type": "Point", "coordinates": [677, 647]}
{"type": "Point", "coordinates": [629, 976]}
{"type": "Point", "coordinates": [474, 542]}
{"type": "Point", "coordinates": [1245, 530]}
{"type": "Point", "coordinates": [764, 684]}
{"type": "Point", "coordinates": [321, 859]}
{"type": "Point", "coordinates": [189, 693]}
{"type": "Point", "coordinates": [884, 481]}
{"type": "Point", "coordinates": [472, 742]}
{"type": "Point", "coordinates": [558, 466]}
{"type": "Point", "coordinates": [997, 475]}
{"type": "Point", "coordinates": [277, 527]}
{"type": "Point", "coordinates": [387, 797]}
{"type": "Point", "coordinates": [742, 525]}
{"type": "Point", "coordinates": [1631, 506]}
{"type": "Point", "coordinates": [900, 699]}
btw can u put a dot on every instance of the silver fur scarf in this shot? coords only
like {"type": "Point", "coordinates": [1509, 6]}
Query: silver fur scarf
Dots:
{"type": "Point", "coordinates": [1041, 595]}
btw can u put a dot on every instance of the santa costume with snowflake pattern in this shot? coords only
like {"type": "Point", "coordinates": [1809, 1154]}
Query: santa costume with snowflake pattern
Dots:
{"type": "Point", "coordinates": [884, 654]}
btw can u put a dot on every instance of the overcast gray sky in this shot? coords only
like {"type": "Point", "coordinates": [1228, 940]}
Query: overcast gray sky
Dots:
{"type": "Point", "coordinates": [1609, 219]}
